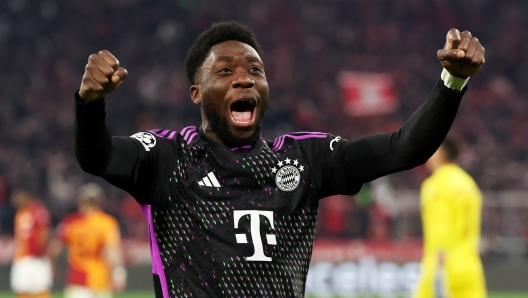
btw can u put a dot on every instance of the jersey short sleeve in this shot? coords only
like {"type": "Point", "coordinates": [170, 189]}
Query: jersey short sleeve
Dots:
{"type": "Point", "coordinates": [325, 157]}
{"type": "Point", "coordinates": [63, 230]}
{"type": "Point", "coordinates": [156, 157]}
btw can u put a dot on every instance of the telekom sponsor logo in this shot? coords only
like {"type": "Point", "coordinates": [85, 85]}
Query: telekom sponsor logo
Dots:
{"type": "Point", "coordinates": [254, 222]}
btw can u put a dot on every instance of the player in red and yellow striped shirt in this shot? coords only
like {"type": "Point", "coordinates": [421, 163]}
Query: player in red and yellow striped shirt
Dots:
{"type": "Point", "coordinates": [93, 242]}
{"type": "Point", "coordinates": [31, 274]}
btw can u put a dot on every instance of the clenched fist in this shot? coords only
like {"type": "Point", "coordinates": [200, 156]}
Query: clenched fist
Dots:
{"type": "Point", "coordinates": [102, 75]}
{"type": "Point", "coordinates": [462, 55]}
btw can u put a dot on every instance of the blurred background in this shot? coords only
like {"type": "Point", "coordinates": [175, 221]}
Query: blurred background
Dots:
{"type": "Point", "coordinates": [352, 68]}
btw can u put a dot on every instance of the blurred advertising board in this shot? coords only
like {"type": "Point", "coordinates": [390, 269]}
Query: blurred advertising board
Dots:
{"type": "Point", "coordinates": [339, 268]}
{"type": "Point", "coordinates": [357, 268]}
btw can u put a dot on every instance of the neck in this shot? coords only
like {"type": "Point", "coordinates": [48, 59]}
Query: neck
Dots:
{"type": "Point", "coordinates": [26, 204]}
{"type": "Point", "coordinates": [208, 131]}
{"type": "Point", "coordinates": [87, 209]}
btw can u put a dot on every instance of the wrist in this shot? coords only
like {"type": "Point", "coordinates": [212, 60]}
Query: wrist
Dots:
{"type": "Point", "coordinates": [83, 101]}
{"type": "Point", "coordinates": [453, 82]}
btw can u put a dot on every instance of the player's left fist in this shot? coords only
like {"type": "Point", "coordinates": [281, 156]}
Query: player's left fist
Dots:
{"type": "Point", "coordinates": [462, 55]}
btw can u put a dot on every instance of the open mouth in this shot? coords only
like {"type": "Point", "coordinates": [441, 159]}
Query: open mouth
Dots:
{"type": "Point", "coordinates": [243, 112]}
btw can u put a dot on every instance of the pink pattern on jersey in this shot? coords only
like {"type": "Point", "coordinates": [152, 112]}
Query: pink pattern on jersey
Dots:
{"type": "Point", "coordinates": [157, 265]}
{"type": "Point", "coordinates": [279, 142]}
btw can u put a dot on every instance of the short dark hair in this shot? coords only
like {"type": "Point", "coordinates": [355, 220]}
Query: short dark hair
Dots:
{"type": "Point", "coordinates": [451, 149]}
{"type": "Point", "coordinates": [217, 33]}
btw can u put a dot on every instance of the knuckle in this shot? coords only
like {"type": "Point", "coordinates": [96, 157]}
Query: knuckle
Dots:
{"type": "Point", "coordinates": [114, 65]}
{"type": "Point", "coordinates": [108, 72]}
{"type": "Point", "coordinates": [90, 66]}
{"type": "Point", "coordinates": [103, 52]}
{"type": "Point", "coordinates": [87, 78]}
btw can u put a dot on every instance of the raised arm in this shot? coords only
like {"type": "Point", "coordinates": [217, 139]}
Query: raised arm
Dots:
{"type": "Point", "coordinates": [96, 151]}
{"type": "Point", "coordinates": [369, 158]}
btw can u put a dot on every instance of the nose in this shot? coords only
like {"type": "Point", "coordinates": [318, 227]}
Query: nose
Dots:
{"type": "Point", "coordinates": [243, 80]}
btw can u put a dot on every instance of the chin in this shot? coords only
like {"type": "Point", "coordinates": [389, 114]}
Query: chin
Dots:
{"type": "Point", "coordinates": [231, 134]}
{"type": "Point", "coordinates": [239, 136]}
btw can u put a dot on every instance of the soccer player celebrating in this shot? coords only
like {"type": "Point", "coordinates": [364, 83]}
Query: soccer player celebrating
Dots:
{"type": "Point", "coordinates": [230, 213]}
{"type": "Point", "coordinates": [31, 274]}
{"type": "Point", "coordinates": [451, 206]}
{"type": "Point", "coordinates": [95, 258]}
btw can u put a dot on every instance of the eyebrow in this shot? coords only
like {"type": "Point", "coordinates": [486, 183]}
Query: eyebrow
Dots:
{"type": "Point", "coordinates": [253, 59]}
{"type": "Point", "coordinates": [230, 58]}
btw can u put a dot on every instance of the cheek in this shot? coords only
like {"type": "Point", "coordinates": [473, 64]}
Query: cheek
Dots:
{"type": "Point", "coordinates": [216, 93]}
{"type": "Point", "coordinates": [264, 90]}
{"type": "Point", "coordinates": [210, 98]}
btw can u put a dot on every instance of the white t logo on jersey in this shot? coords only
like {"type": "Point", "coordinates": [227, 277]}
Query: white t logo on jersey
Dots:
{"type": "Point", "coordinates": [254, 218]}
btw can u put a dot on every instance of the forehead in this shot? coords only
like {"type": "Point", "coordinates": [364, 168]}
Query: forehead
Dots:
{"type": "Point", "coordinates": [232, 48]}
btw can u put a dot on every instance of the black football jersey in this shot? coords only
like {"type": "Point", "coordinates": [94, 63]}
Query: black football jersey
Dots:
{"type": "Point", "coordinates": [240, 222]}
{"type": "Point", "coordinates": [234, 222]}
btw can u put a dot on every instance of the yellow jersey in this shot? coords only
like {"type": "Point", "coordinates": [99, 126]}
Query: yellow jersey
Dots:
{"type": "Point", "coordinates": [451, 204]}
{"type": "Point", "coordinates": [85, 237]}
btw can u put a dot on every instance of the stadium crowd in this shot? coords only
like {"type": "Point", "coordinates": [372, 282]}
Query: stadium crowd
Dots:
{"type": "Point", "coordinates": [44, 46]}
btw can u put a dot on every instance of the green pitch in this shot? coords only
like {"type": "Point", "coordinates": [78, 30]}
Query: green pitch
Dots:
{"type": "Point", "coordinates": [508, 295]}
{"type": "Point", "coordinates": [490, 295]}
{"type": "Point", "coordinates": [151, 294]}
{"type": "Point", "coordinates": [122, 295]}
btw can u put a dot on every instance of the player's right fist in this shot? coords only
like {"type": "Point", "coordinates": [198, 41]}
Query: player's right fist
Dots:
{"type": "Point", "coordinates": [102, 75]}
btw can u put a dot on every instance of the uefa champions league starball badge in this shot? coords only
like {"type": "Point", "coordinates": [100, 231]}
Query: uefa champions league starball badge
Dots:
{"type": "Point", "coordinates": [288, 175]}
{"type": "Point", "coordinates": [146, 139]}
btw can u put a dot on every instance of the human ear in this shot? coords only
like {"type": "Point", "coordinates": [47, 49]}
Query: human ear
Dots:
{"type": "Point", "coordinates": [196, 94]}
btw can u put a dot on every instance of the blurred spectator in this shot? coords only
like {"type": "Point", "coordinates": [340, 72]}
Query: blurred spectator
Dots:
{"type": "Point", "coordinates": [7, 212]}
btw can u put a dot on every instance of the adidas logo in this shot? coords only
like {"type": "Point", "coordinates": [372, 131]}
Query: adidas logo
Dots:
{"type": "Point", "coordinates": [209, 180]}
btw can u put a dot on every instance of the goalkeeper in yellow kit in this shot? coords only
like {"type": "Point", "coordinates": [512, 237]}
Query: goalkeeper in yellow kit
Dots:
{"type": "Point", "coordinates": [451, 205]}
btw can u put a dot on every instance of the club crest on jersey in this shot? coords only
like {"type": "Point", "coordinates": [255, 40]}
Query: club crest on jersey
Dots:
{"type": "Point", "coordinates": [146, 139]}
{"type": "Point", "coordinates": [287, 174]}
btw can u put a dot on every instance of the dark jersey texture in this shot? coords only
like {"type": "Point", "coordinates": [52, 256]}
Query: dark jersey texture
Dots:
{"type": "Point", "coordinates": [240, 222]}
